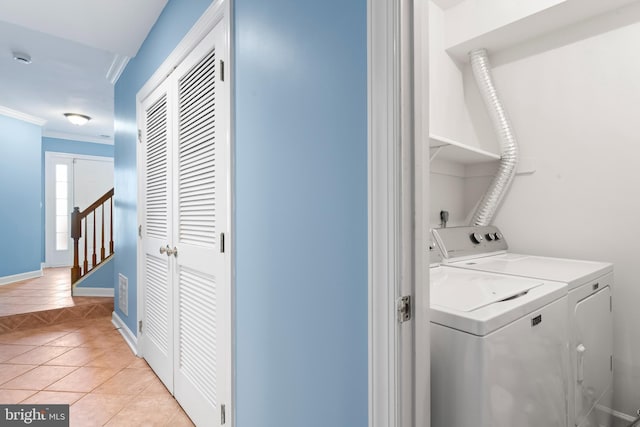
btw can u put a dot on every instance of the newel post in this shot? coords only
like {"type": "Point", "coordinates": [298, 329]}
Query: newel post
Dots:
{"type": "Point", "coordinates": [76, 233]}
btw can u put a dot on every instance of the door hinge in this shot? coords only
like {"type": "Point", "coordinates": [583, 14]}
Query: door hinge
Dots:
{"type": "Point", "coordinates": [404, 308]}
{"type": "Point", "coordinates": [139, 325]}
{"type": "Point", "coordinates": [221, 243]}
{"type": "Point", "coordinates": [140, 230]}
{"type": "Point", "coordinates": [221, 70]}
{"type": "Point", "coordinates": [611, 303]}
{"type": "Point", "coordinates": [139, 135]}
{"type": "Point", "coordinates": [223, 414]}
{"type": "Point", "coordinates": [611, 363]}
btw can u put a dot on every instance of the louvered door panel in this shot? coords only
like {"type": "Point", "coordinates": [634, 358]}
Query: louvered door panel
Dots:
{"type": "Point", "coordinates": [156, 165]}
{"type": "Point", "coordinates": [156, 313]}
{"type": "Point", "coordinates": [156, 270]}
{"type": "Point", "coordinates": [198, 344]}
{"type": "Point", "coordinates": [197, 153]}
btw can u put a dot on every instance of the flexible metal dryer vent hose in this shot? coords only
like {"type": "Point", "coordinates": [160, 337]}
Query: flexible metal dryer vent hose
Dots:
{"type": "Point", "coordinates": [508, 146]}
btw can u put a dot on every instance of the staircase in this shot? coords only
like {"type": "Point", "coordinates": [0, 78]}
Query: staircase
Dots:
{"type": "Point", "coordinates": [92, 225]}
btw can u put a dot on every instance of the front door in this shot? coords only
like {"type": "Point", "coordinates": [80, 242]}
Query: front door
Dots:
{"type": "Point", "coordinates": [70, 180]}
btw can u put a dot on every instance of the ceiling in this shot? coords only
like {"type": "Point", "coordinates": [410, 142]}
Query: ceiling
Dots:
{"type": "Point", "coordinates": [78, 49]}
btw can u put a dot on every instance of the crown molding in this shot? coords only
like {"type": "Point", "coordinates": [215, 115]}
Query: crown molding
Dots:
{"type": "Point", "coordinates": [117, 67]}
{"type": "Point", "coordinates": [14, 114]}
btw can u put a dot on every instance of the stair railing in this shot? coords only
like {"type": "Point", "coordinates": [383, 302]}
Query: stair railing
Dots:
{"type": "Point", "coordinates": [79, 222]}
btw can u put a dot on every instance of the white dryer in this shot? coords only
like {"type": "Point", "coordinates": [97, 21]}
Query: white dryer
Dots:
{"type": "Point", "coordinates": [590, 311]}
{"type": "Point", "coordinates": [498, 350]}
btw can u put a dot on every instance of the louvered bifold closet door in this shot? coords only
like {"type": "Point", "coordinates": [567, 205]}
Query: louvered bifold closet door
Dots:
{"type": "Point", "coordinates": [156, 274]}
{"type": "Point", "coordinates": [200, 187]}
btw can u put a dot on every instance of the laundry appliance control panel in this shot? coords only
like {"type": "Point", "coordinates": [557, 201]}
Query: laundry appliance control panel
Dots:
{"type": "Point", "coordinates": [456, 242]}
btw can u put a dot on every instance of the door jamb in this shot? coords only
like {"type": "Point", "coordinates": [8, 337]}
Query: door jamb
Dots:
{"type": "Point", "coordinates": [399, 387]}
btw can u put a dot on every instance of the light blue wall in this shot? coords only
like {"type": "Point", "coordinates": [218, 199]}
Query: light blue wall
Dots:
{"type": "Point", "coordinates": [21, 195]}
{"type": "Point", "coordinates": [301, 213]}
{"type": "Point", "coordinates": [101, 277]}
{"type": "Point", "coordinates": [300, 244]}
{"type": "Point", "coordinates": [176, 20]}
{"type": "Point", "coordinates": [70, 147]}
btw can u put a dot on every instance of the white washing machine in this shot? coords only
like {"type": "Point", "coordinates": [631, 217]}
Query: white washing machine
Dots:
{"type": "Point", "coordinates": [590, 311]}
{"type": "Point", "coordinates": [498, 350]}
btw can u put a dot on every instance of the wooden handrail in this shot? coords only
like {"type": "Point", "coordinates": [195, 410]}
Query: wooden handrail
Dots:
{"type": "Point", "coordinates": [77, 219]}
{"type": "Point", "coordinates": [95, 205]}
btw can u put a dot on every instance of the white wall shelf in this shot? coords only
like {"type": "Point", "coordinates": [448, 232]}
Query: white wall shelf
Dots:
{"type": "Point", "coordinates": [500, 24]}
{"type": "Point", "coordinates": [454, 151]}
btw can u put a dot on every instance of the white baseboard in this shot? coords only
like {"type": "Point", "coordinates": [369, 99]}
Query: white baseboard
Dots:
{"type": "Point", "coordinates": [92, 292]}
{"type": "Point", "coordinates": [126, 333]}
{"type": "Point", "coordinates": [19, 277]}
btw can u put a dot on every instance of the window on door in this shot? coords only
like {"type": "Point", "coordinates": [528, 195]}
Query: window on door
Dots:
{"type": "Point", "coordinates": [62, 207]}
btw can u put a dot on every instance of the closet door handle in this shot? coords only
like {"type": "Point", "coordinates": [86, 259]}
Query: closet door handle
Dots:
{"type": "Point", "coordinates": [173, 251]}
{"type": "Point", "coordinates": [164, 249]}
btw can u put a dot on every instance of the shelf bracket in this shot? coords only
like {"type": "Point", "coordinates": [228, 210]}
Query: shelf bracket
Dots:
{"type": "Point", "coordinates": [435, 152]}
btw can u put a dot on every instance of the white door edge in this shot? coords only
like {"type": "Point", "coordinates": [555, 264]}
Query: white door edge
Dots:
{"type": "Point", "coordinates": [382, 267]}
{"type": "Point", "coordinates": [399, 388]}
{"type": "Point", "coordinates": [418, 17]}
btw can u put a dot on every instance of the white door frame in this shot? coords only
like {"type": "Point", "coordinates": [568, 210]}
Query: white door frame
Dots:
{"type": "Point", "coordinates": [399, 363]}
{"type": "Point", "coordinates": [49, 187]}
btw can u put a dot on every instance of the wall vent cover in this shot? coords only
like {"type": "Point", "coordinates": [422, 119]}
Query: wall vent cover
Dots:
{"type": "Point", "coordinates": [123, 292]}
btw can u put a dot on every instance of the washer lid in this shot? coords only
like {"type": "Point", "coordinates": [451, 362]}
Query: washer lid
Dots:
{"type": "Point", "coordinates": [479, 303]}
{"type": "Point", "coordinates": [571, 271]}
{"type": "Point", "coordinates": [469, 290]}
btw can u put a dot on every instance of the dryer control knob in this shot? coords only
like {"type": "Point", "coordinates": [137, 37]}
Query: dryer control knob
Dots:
{"type": "Point", "coordinates": [498, 236]}
{"type": "Point", "coordinates": [491, 237]}
{"type": "Point", "coordinates": [476, 238]}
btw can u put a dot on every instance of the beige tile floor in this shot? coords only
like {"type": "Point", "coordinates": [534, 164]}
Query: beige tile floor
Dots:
{"type": "Point", "coordinates": [52, 290]}
{"type": "Point", "coordinates": [45, 301]}
{"type": "Point", "coordinates": [87, 365]}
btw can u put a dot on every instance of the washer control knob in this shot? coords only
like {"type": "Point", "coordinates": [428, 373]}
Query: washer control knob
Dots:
{"type": "Point", "coordinates": [476, 238]}
{"type": "Point", "coordinates": [490, 237]}
{"type": "Point", "coordinates": [498, 235]}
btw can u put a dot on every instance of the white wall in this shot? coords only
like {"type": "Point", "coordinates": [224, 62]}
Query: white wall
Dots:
{"type": "Point", "coordinates": [448, 114]}
{"type": "Point", "coordinates": [449, 117]}
{"type": "Point", "coordinates": [446, 193]}
{"type": "Point", "coordinates": [576, 111]}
